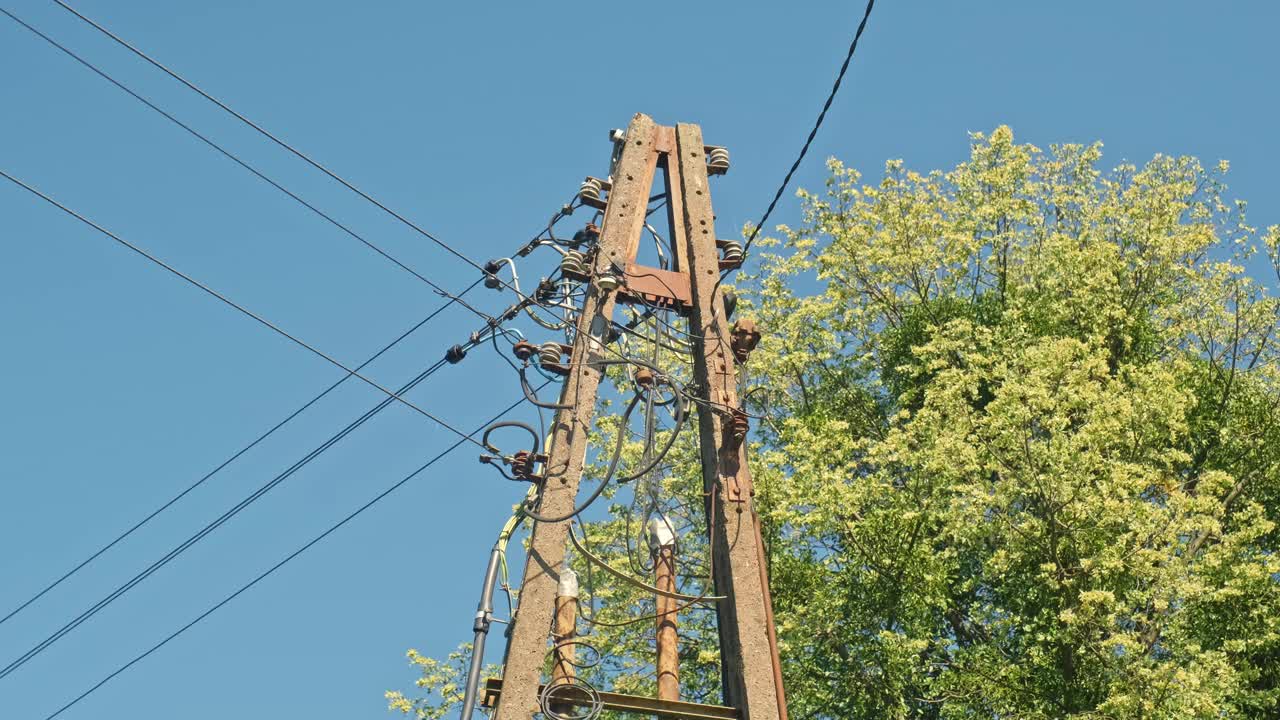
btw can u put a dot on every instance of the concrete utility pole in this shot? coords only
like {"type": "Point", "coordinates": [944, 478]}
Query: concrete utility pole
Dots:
{"type": "Point", "coordinates": [662, 541]}
{"type": "Point", "coordinates": [624, 220]}
{"type": "Point", "coordinates": [564, 653]}
{"type": "Point", "coordinates": [748, 647]}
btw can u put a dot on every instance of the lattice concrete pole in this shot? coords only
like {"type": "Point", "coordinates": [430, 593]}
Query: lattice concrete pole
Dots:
{"type": "Point", "coordinates": [662, 543]}
{"type": "Point", "coordinates": [622, 225]}
{"type": "Point", "coordinates": [748, 647]}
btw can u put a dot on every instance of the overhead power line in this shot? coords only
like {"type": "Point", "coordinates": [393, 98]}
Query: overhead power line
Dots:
{"type": "Point", "coordinates": [235, 456]}
{"type": "Point", "coordinates": [227, 153]}
{"type": "Point", "coordinates": [214, 525]}
{"type": "Point", "coordinates": [835, 88]}
{"type": "Point", "coordinates": [287, 559]}
{"type": "Point", "coordinates": [293, 150]}
{"type": "Point", "coordinates": [238, 307]}
{"type": "Point", "coordinates": [270, 136]}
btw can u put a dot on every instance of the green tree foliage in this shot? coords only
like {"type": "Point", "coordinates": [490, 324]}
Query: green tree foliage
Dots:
{"type": "Point", "coordinates": [1022, 454]}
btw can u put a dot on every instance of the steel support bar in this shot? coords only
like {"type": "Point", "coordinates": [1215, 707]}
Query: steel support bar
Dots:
{"type": "Point", "coordinates": [623, 223]}
{"type": "Point", "coordinates": [677, 709]}
{"type": "Point", "coordinates": [748, 648]}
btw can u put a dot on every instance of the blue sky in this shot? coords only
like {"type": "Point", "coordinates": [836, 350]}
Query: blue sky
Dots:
{"type": "Point", "coordinates": [121, 385]}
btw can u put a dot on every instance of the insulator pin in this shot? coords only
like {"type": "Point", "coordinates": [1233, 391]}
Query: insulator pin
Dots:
{"type": "Point", "coordinates": [718, 161]}
{"type": "Point", "coordinates": [522, 464]}
{"type": "Point", "coordinates": [573, 263]}
{"type": "Point", "coordinates": [607, 282]}
{"type": "Point", "coordinates": [523, 350]}
{"type": "Point", "coordinates": [549, 353]}
{"type": "Point", "coordinates": [590, 189]}
{"type": "Point", "coordinates": [733, 252]}
{"type": "Point", "coordinates": [743, 338]}
{"type": "Point", "coordinates": [588, 235]}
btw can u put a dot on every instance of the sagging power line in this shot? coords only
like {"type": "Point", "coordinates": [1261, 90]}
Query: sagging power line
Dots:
{"type": "Point", "coordinates": [236, 159]}
{"type": "Point", "coordinates": [236, 306]}
{"type": "Point", "coordinates": [222, 465]}
{"type": "Point", "coordinates": [269, 571]}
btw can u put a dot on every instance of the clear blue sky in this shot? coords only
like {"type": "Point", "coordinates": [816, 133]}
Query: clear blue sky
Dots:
{"type": "Point", "coordinates": [120, 385]}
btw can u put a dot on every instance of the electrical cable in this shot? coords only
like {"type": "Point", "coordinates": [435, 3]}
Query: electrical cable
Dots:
{"type": "Point", "coordinates": [614, 459]}
{"type": "Point", "coordinates": [229, 460]}
{"type": "Point", "coordinates": [577, 545]}
{"type": "Point", "coordinates": [532, 397]}
{"type": "Point", "coordinates": [228, 154]}
{"type": "Point", "coordinates": [240, 308]}
{"type": "Point", "coordinates": [215, 524]}
{"type": "Point", "coordinates": [267, 179]}
{"type": "Point", "coordinates": [287, 559]}
{"type": "Point", "coordinates": [265, 133]}
{"type": "Point", "coordinates": [286, 146]}
{"type": "Point", "coordinates": [835, 88]}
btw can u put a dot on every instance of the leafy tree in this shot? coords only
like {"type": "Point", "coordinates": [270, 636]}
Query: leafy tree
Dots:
{"type": "Point", "coordinates": [1021, 455]}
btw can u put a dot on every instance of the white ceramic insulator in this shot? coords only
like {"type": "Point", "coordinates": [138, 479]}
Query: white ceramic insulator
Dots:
{"type": "Point", "coordinates": [718, 159]}
{"type": "Point", "coordinates": [568, 584]}
{"type": "Point", "coordinates": [661, 533]}
{"type": "Point", "coordinates": [549, 352]}
{"type": "Point", "coordinates": [733, 252]}
{"type": "Point", "coordinates": [572, 263]}
{"type": "Point", "coordinates": [607, 282]}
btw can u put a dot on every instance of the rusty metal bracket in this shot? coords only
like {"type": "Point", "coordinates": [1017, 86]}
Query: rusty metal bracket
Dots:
{"type": "Point", "coordinates": [654, 286]}
{"type": "Point", "coordinates": [628, 704]}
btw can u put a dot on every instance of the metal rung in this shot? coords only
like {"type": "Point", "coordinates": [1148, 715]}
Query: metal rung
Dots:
{"type": "Point", "coordinates": [630, 704]}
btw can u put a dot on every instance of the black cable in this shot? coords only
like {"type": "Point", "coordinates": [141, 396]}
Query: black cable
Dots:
{"type": "Point", "coordinates": [532, 452]}
{"type": "Point", "coordinates": [242, 309]}
{"type": "Point", "coordinates": [215, 524]}
{"type": "Point", "coordinates": [228, 154]}
{"type": "Point", "coordinates": [532, 397]}
{"type": "Point", "coordinates": [616, 457]}
{"type": "Point", "coordinates": [262, 131]}
{"type": "Point", "coordinates": [288, 558]}
{"type": "Point", "coordinates": [812, 133]}
{"type": "Point", "coordinates": [229, 460]}
{"type": "Point", "coordinates": [256, 172]}
{"type": "Point", "coordinates": [282, 144]}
